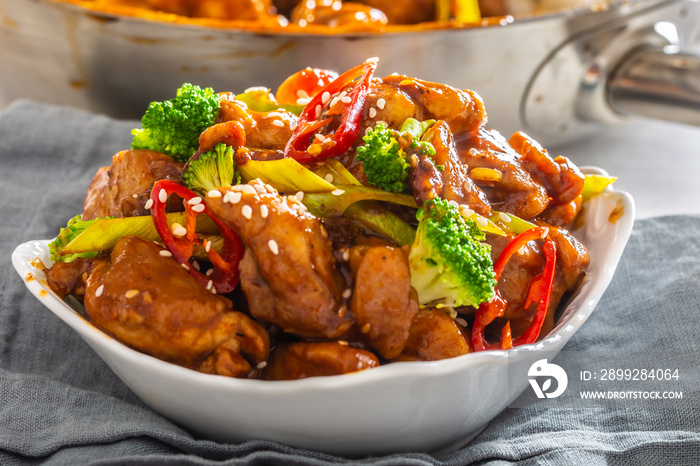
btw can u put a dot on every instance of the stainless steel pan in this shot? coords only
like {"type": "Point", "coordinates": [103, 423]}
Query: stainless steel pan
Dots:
{"type": "Point", "coordinates": [557, 76]}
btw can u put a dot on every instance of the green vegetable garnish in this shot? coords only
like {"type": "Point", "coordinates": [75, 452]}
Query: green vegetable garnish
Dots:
{"type": "Point", "coordinates": [211, 170]}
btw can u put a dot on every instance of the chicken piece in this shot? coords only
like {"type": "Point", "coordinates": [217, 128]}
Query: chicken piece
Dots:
{"type": "Point", "coordinates": [434, 336]}
{"type": "Point", "coordinates": [313, 359]}
{"type": "Point", "coordinates": [288, 271]}
{"type": "Point", "coordinates": [383, 302]}
{"type": "Point", "coordinates": [349, 16]}
{"type": "Point", "coordinates": [454, 183]}
{"type": "Point", "coordinates": [562, 179]}
{"type": "Point", "coordinates": [513, 190]}
{"type": "Point", "coordinates": [123, 189]}
{"type": "Point", "coordinates": [68, 278]}
{"type": "Point", "coordinates": [463, 110]}
{"type": "Point", "coordinates": [404, 11]}
{"type": "Point", "coordinates": [263, 130]}
{"type": "Point", "coordinates": [150, 303]}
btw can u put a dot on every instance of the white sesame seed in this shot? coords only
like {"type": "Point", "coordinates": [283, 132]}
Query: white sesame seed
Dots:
{"type": "Point", "coordinates": [148, 204]}
{"type": "Point", "coordinates": [467, 186]}
{"type": "Point", "coordinates": [214, 193]}
{"type": "Point", "coordinates": [178, 230]}
{"type": "Point", "coordinates": [264, 211]}
{"type": "Point", "coordinates": [234, 198]}
{"type": "Point", "coordinates": [210, 284]}
{"type": "Point", "coordinates": [338, 192]}
{"type": "Point", "coordinates": [198, 208]}
{"type": "Point", "coordinates": [473, 152]}
{"type": "Point", "coordinates": [300, 196]}
{"type": "Point", "coordinates": [269, 188]}
{"type": "Point", "coordinates": [131, 293]}
{"type": "Point", "coordinates": [162, 196]}
{"type": "Point", "coordinates": [302, 94]}
{"type": "Point", "coordinates": [166, 253]}
{"type": "Point", "coordinates": [213, 290]}
{"type": "Point", "coordinates": [461, 322]}
{"type": "Point", "coordinates": [321, 138]}
{"type": "Point", "coordinates": [325, 97]}
{"type": "Point", "coordinates": [303, 101]}
{"type": "Point", "coordinates": [452, 202]}
{"type": "Point", "coordinates": [372, 112]}
{"type": "Point", "coordinates": [135, 196]}
{"type": "Point", "coordinates": [318, 111]}
{"type": "Point", "coordinates": [329, 178]}
{"type": "Point", "coordinates": [545, 233]}
{"type": "Point", "coordinates": [196, 265]}
{"type": "Point", "coordinates": [505, 218]}
{"type": "Point", "coordinates": [334, 101]}
{"type": "Point", "coordinates": [244, 188]}
{"type": "Point", "coordinates": [247, 211]}
{"type": "Point", "coordinates": [293, 125]}
{"type": "Point", "coordinates": [368, 130]}
{"type": "Point", "coordinates": [346, 100]}
{"type": "Point", "coordinates": [481, 221]}
{"type": "Point", "coordinates": [272, 244]}
{"type": "Point", "coordinates": [207, 246]}
{"type": "Point", "coordinates": [260, 188]}
{"type": "Point", "coordinates": [261, 365]}
{"type": "Point", "coordinates": [185, 266]}
{"type": "Point", "coordinates": [343, 342]}
{"type": "Point", "coordinates": [381, 103]}
{"type": "Point", "coordinates": [99, 290]}
{"type": "Point", "coordinates": [278, 123]}
{"type": "Point", "coordinates": [209, 272]}
{"type": "Point", "coordinates": [466, 212]}
{"type": "Point", "coordinates": [346, 255]}
{"type": "Point", "coordinates": [195, 201]}
{"type": "Point", "coordinates": [347, 293]}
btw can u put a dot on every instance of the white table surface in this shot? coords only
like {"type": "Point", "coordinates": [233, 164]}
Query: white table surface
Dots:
{"type": "Point", "coordinates": [658, 163]}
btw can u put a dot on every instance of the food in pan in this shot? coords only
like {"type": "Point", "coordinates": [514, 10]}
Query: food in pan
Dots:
{"type": "Point", "coordinates": [329, 15]}
{"type": "Point", "coordinates": [346, 222]}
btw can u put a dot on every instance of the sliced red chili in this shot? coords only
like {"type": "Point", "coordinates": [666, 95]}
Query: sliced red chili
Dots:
{"type": "Point", "coordinates": [539, 291]}
{"type": "Point", "coordinates": [226, 274]}
{"type": "Point", "coordinates": [300, 147]}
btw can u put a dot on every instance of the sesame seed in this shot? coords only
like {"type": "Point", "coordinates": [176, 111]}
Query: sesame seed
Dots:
{"type": "Point", "coordinates": [383, 123]}
{"type": "Point", "coordinates": [148, 204]}
{"type": "Point", "coordinates": [99, 290]}
{"type": "Point", "coordinates": [135, 196]}
{"type": "Point", "coordinates": [303, 101]}
{"type": "Point", "coordinates": [328, 178]}
{"type": "Point", "coordinates": [269, 188]}
{"type": "Point", "coordinates": [300, 196]}
{"type": "Point", "coordinates": [381, 103]}
{"type": "Point", "coordinates": [473, 151]}
{"type": "Point", "coordinates": [338, 192]}
{"type": "Point", "coordinates": [302, 94]}
{"type": "Point", "coordinates": [261, 365]}
{"type": "Point", "coordinates": [372, 112]}
{"type": "Point", "coordinates": [166, 253]}
{"type": "Point", "coordinates": [232, 197]}
{"type": "Point", "coordinates": [368, 130]}
{"type": "Point", "coordinates": [244, 188]}
{"type": "Point", "coordinates": [341, 313]}
{"type": "Point", "coordinates": [461, 322]}
{"type": "Point", "coordinates": [260, 188]}
{"type": "Point", "coordinates": [162, 196]}
{"type": "Point", "coordinates": [272, 244]}
{"type": "Point", "coordinates": [209, 272]}
{"type": "Point", "coordinates": [318, 111]}
{"type": "Point", "coordinates": [214, 193]}
{"type": "Point", "coordinates": [195, 264]}
{"type": "Point", "coordinates": [466, 212]}
{"type": "Point", "coordinates": [131, 293]}
{"type": "Point", "coordinates": [505, 218]}
{"type": "Point", "coordinates": [247, 211]}
{"type": "Point", "coordinates": [334, 101]}
{"type": "Point", "coordinates": [467, 186]}
{"type": "Point", "coordinates": [293, 125]}
{"type": "Point", "coordinates": [324, 232]}
{"type": "Point", "coordinates": [346, 100]}
{"type": "Point", "coordinates": [452, 202]}
{"type": "Point", "coordinates": [481, 221]}
{"type": "Point", "coordinates": [198, 208]}
{"type": "Point", "coordinates": [346, 255]}
{"type": "Point", "coordinates": [343, 342]}
{"type": "Point", "coordinates": [178, 230]}
{"type": "Point", "coordinates": [366, 328]}
{"type": "Point", "coordinates": [545, 233]}
{"type": "Point", "coordinates": [195, 201]}
{"type": "Point", "coordinates": [347, 293]}
{"type": "Point", "coordinates": [210, 284]}
{"type": "Point", "coordinates": [325, 97]}
{"type": "Point", "coordinates": [321, 138]}
{"type": "Point", "coordinates": [185, 266]}
{"type": "Point", "coordinates": [213, 290]}
{"type": "Point", "coordinates": [320, 82]}
{"type": "Point", "coordinates": [207, 246]}
{"type": "Point", "coordinates": [264, 211]}
{"type": "Point", "coordinates": [278, 123]}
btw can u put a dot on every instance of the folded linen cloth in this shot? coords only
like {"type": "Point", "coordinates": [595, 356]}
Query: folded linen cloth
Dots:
{"type": "Point", "coordinates": [60, 404]}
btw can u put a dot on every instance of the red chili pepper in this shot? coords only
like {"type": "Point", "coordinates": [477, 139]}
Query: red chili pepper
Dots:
{"type": "Point", "coordinates": [299, 146]}
{"type": "Point", "coordinates": [225, 276]}
{"type": "Point", "coordinates": [539, 291]}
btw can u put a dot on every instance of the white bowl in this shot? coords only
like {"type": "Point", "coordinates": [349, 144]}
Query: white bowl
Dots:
{"type": "Point", "coordinates": [400, 407]}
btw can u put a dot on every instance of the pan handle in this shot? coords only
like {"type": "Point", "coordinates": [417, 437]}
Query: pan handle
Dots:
{"type": "Point", "coordinates": [658, 82]}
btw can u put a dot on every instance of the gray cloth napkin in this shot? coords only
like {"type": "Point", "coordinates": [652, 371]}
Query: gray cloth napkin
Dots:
{"type": "Point", "coordinates": [60, 404]}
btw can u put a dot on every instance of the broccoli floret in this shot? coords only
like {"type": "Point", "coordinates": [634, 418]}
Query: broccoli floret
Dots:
{"type": "Point", "coordinates": [211, 170]}
{"type": "Point", "coordinates": [74, 228]}
{"type": "Point", "coordinates": [449, 263]}
{"type": "Point", "coordinates": [384, 161]}
{"type": "Point", "coordinates": [173, 126]}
